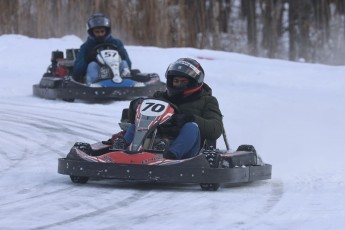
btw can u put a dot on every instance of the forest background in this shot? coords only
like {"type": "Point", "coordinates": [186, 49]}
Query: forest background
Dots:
{"type": "Point", "coordinates": [298, 30]}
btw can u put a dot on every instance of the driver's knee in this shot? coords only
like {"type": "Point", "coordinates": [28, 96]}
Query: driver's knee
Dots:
{"type": "Point", "coordinates": [125, 72]}
{"type": "Point", "coordinates": [191, 127]}
{"type": "Point", "coordinates": [92, 72]}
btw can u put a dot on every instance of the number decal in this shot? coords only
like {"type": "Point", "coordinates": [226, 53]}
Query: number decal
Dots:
{"type": "Point", "coordinates": [153, 107]}
{"type": "Point", "coordinates": [110, 54]}
{"type": "Point", "coordinates": [148, 105]}
{"type": "Point", "coordinates": [158, 108]}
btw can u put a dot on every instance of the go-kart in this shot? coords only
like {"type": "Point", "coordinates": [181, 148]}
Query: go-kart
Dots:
{"type": "Point", "coordinates": [144, 160]}
{"type": "Point", "coordinates": [58, 83]}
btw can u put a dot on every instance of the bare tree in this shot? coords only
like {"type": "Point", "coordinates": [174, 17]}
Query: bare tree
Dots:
{"type": "Point", "coordinates": [272, 20]}
{"type": "Point", "coordinates": [249, 14]}
{"type": "Point", "coordinates": [315, 29]}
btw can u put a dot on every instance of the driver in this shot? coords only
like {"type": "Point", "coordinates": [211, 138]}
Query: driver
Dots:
{"type": "Point", "coordinates": [99, 30]}
{"type": "Point", "coordinates": [199, 121]}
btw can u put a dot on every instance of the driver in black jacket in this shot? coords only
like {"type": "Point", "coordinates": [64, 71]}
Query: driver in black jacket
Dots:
{"type": "Point", "coordinates": [99, 30]}
{"type": "Point", "coordinates": [199, 122]}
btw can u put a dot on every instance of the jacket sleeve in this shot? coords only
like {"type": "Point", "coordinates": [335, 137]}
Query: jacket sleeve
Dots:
{"type": "Point", "coordinates": [79, 67]}
{"type": "Point", "coordinates": [210, 123]}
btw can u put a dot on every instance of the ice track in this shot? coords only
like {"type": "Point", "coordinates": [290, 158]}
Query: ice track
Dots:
{"type": "Point", "coordinates": [33, 194]}
{"type": "Point", "coordinates": [293, 113]}
{"type": "Point", "coordinates": [39, 134]}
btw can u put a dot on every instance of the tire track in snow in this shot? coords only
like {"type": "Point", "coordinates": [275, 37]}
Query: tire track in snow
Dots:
{"type": "Point", "coordinates": [37, 196]}
{"type": "Point", "coordinates": [52, 127]}
{"type": "Point", "coordinates": [121, 204]}
{"type": "Point", "coordinates": [274, 196]}
{"type": "Point", "coordinates": [54, 124]}
{"type": "Point", "coordinates": [24, 144]}
{"type": "Point", "coordinates": [40, 123]}
{"type": "Point", "coordinates": [271, 194]}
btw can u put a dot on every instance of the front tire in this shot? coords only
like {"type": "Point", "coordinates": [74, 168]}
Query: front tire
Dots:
{"type": "Point", "coordinates": [85, 147]}
{"type": "Point", "coordinates": [68, 99]}
{"type": "Point", "coordinates": [79, 179]}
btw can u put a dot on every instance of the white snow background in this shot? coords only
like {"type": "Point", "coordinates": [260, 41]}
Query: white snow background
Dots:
{"type": "Point", "coordinates": [293, 113]}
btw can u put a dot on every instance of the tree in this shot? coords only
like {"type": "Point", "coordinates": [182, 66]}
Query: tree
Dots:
{"type": "Point", "coordinates": [248, 12]}
{"type": "Point", "coordinates": [272, 11]}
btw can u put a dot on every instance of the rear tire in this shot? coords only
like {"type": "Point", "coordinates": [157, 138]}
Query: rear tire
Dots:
{"type": "Point", "coordinates": [79, 179]}
{"type": "Point", "coordinates": [247, 148]}
{"type": "Point", "coordinates": [134, 72]}
{"type": "Point", "coordinates": [250, 148]}
{"type": "Point", "coordinates": [214, 160]}
{"type": "Point", "coordinates": [209, 186]}
{"type": "Point", "coordinates": [68, 99]}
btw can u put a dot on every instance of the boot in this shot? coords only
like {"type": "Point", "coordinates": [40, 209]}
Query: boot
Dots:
{"type": "Point", "coordinates": [119, 144]}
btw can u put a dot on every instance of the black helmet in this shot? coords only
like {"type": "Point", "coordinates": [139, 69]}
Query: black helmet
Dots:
{"type": "Point", "coordinates": [98, 20]}
{"type": "Point", "coordinates": [185, 67]}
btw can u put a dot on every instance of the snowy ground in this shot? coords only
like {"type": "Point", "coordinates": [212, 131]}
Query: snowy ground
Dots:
{"type": "Point", "coordinates": [293, 113]}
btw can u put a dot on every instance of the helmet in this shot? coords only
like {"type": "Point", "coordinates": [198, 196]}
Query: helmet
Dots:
{"type": "Point", "coordinates": [98, 20]}
{"type": "Point", "coordinates": [188, 68]}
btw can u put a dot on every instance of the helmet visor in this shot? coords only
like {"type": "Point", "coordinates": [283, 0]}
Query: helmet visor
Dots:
{"type": "Point", "coordinates": [185, 68]}
{"type": "Point", "coordinates": [98, 22]}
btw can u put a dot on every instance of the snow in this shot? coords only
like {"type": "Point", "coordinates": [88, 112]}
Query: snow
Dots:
{"type": "Point", "coordinates": [293, 113]}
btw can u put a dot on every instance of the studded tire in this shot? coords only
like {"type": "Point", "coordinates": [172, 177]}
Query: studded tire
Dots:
{"type": "Point", "coordinates": [247, 148]}
{"type": "Point", "coordinates": [79, 179]}
{"type": "Point", "coordinates": [69, 99]}
{"type": "Point", "coordinates": [214, 160]}
{"type": "Point", "coordinates": [85, 147]}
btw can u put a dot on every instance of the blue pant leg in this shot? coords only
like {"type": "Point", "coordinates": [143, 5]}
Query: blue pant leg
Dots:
{"type": "Point", "coordinates": [129, 135]}
{"type": "Point", "coordinates": [92, 72]}
{"type": "Point", "coordinates": [187, 143]}
{"type": "Point", "coordinates": [123, 64]}
{"type": "Point", "coordinates": [124, 69]}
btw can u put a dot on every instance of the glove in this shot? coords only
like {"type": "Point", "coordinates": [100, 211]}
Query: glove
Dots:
{"type": "Point", "coordinates": [91, 56]}
{"type": "Point", "coordinates": [180, 119]}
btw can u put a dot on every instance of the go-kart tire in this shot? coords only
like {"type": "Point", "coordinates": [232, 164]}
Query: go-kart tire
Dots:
{"type": "Point", "coordinates": [214, 160]}
{"type": "Point", "coordinates": [209, 186]}
{"type": "Point", "coordinates": [134, 72]}
{"type": "Point", "coordinates": [247, 148]}
{"type": "Point", "coordinates": [79, 179]}
{"type": "Point", "coordinates": [68, 99]}
{"type": "Point", "coordinates": [85, 147]}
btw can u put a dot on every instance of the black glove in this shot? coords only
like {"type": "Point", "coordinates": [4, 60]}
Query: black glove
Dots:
{"type": "Point", "coordinates": [91, 56]}
{"type": "Point", "coordinates": [179, 119]}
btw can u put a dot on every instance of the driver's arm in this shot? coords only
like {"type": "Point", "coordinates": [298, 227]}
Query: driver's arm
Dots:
{"type": "Point", "coordinates": [210, 123]}
{"type": "Point", "coordinates": [79, 67]}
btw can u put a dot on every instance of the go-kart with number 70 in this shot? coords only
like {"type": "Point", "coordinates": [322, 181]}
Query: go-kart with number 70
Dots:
{"type": "Point", "coordinates": [144, 161]}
